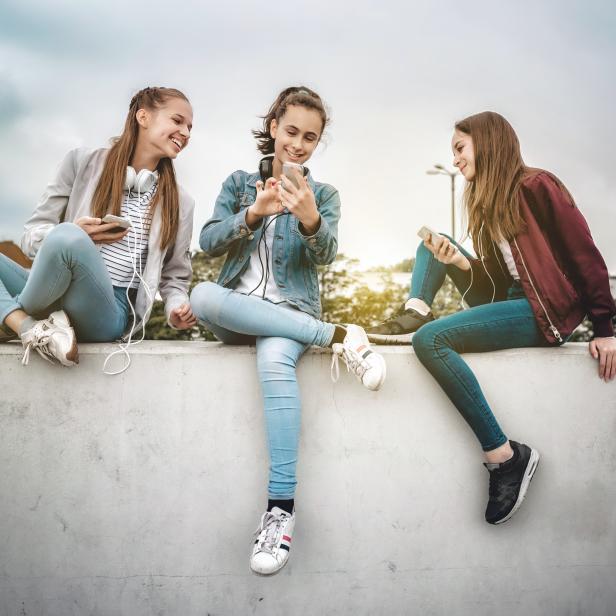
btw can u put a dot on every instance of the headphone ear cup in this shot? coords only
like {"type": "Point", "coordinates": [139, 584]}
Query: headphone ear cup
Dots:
{"type": "Point", "coordinates": [131, 176]}
{"type": "Point", "coordinates": [145, 180]}
{"type": "Point", "coordinates": [142, 181]}
{"type": "Point", "coordinates": [266, 167]}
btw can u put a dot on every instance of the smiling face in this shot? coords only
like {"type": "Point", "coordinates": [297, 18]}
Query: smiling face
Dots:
{"type": "Point", "coordinates": [463, 154]}
{"type": "Point", "coordinates": [296, 135]}
{"type": "Point", "coordinates": [164, 132]}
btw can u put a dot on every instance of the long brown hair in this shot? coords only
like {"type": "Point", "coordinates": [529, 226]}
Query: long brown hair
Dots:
{"type": "Point", "coordinates": [109, 191]}
{"type": "Point", "coordinates": [492, 198]}
{"type": "Point", "coordinates": [295, 95]}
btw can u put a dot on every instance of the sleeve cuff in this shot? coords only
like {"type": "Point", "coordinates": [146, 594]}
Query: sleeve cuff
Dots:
{"type": "Point", "coordinates": [603, 328]}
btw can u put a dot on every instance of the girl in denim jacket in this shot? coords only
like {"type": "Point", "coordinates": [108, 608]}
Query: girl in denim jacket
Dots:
{"type": "Point", "coordinates": [275, 231]}
{"type": "Point", "coordinates": [91, 279]}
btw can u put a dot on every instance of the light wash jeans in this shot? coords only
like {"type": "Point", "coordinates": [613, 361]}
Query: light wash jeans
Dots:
{"type": "Point", "coordinates": [68, 273]}
{"type": "Point", "coordinates": [484, 327]}
{"type": "Point", "coordinates": [282, 334]}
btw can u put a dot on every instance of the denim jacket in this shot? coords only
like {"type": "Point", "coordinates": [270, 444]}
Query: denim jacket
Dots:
{"type": "Point", "coordinates": [295, 255]}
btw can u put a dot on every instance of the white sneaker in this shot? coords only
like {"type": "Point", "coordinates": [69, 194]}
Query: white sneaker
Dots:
{"type": "Point", "coordinates": [53, 339]}
{"type": "Point", "coordinates": [270, 552]}
{"type": "Point", "coordinates": [368, 365]}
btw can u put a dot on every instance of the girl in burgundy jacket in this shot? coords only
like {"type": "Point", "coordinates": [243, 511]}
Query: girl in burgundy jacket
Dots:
{"type": "Point", "coordinates": [538, 274]}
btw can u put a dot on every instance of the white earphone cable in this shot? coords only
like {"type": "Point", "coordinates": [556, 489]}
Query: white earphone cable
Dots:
{"type": "Point", "coordinates": [136, 260]}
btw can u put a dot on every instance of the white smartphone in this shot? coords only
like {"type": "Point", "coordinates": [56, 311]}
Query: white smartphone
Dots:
{"type": "Point", "coordinates": [425, 232]}
{"type": "Point", "coordinates": [287, 171]}
{"type": "Point", "coordinates": [124, 223]}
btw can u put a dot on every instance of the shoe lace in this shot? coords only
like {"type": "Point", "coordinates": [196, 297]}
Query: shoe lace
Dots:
{"type": "Point", "coordinates": [40, 335]}
{"type": "Point", "coordinates": [353, 362]}
{"type": "Point", "coordinates": [269, 531]}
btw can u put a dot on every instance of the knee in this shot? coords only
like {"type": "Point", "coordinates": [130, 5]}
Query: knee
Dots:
{"type": "Point", "coordinates": [425, 340]}
{"type": "Point", "coordinates": [205, 300]}
{"type": "Point", "coordinates": [67, 235]}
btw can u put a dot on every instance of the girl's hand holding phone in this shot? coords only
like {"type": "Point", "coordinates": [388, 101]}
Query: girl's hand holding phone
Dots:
{"type": "Point", "coordinates": [267, 202]}
{"type": "Point", "coordinates": [446, 252]}
{"type": "Point", "coordinates": [301, 202]}
{"type": "Point", "coordinates": [99, 231]}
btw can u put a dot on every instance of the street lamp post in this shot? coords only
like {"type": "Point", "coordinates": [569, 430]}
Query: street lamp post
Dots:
{"type": "Point", "coordinates": [440, 170]}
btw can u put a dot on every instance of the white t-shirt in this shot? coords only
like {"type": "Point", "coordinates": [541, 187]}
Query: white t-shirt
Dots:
{"type": "Point", "coordinates": [119, 256]}
{"type": "Point", "coordinates": [508, 256]}
{"type": "Point", "coordinates": [261, 263]}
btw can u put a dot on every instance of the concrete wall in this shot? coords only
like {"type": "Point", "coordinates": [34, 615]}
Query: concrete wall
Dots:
{"type": "Point", "coordinates": [137, 495]}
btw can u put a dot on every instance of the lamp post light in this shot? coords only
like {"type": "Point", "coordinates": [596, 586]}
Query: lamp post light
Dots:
{"type": "Point", "coordinates": [440, 170]}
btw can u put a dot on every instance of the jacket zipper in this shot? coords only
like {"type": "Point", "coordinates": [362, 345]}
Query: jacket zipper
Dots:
{"type": "Point", "coordinates": [532, 284]}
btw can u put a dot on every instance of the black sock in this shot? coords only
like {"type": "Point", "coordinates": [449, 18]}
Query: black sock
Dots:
{"type": "Point", "coordinates": [339, 335]}
{"type": "Point", "coordinates": [286, 504]}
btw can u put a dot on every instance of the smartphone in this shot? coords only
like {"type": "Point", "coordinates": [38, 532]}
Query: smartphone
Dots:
{"type": "Point", "coordinates": [425, 232]}
{"type": "Point", "coordinates": [288, 173]}
{"type": "Point", "coordinates": [124, 223]}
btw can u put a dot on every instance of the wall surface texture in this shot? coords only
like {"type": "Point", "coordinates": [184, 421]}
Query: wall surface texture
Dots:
{"type": "Point", "coordinates": [138, 494]}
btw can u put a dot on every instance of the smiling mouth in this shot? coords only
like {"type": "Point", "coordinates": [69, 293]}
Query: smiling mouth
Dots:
{"type": "Point", "coordinates": [177, 143]}
{"type": "Point", "coordinates": [292, 156]}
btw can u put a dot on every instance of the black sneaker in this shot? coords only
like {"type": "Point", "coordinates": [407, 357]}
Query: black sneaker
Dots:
{"type": "Point", "coordinates": [399, 328]}
{"type": "Point", "coordinates": [509, 482]}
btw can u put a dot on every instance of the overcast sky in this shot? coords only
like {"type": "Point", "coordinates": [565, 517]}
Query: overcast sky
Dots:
{"type": "Point", "coordinates": [395, 76]}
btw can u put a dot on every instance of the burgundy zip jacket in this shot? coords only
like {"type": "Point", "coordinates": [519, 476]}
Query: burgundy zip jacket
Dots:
{"type": "Point", "coordinates": [561, 270]}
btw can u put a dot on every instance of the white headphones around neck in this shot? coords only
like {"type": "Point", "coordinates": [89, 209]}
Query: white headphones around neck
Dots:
{"type": "Point", "coordinates": [140, 182]}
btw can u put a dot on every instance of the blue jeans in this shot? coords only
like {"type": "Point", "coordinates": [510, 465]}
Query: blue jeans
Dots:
{"type": "Point", "coordinates": [483, 327]}
{"type": "Point", "coordinates": [68, 273]}
{"type": "Point", "coordinates": [282, 334]}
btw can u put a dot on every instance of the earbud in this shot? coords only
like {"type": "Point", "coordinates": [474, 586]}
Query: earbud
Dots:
{"type": "Point", "coordinates": [140, 182]}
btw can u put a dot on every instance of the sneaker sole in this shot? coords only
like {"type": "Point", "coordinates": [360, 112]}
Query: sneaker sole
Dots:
{"type": "Point", "coordinates": [390, 338]}
{"type": "Point", "coordinates": [383, 376]}
{"type": "Point", "coordinates": [71, 358]}
{"type": "Point", "coordinates": [531, 467]}
{"type": "Point", "coordinates": [269, 574]}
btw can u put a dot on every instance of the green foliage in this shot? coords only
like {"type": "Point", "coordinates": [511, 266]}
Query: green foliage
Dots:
{"type": "Point", "coordinates": [346, 300]}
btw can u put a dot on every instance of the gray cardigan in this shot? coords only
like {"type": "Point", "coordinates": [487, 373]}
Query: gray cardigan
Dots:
{"type": "Point", "coordinates": [69, 197]}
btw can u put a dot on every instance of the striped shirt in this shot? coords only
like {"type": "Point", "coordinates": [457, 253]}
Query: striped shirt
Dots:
{"type": "Point", "coordinates": [133, 247]}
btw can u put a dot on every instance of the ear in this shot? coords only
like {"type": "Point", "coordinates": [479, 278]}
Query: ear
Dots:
{"type": "Point", "coordinates": [273, 128]}
{"type": "Point", "coordinates": [142, 117]}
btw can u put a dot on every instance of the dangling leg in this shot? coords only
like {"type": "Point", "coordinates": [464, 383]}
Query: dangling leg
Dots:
{"type": "Point", "coordinates": [276, 362]}
{"type": "Point", "coordinates": [439, 345]}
